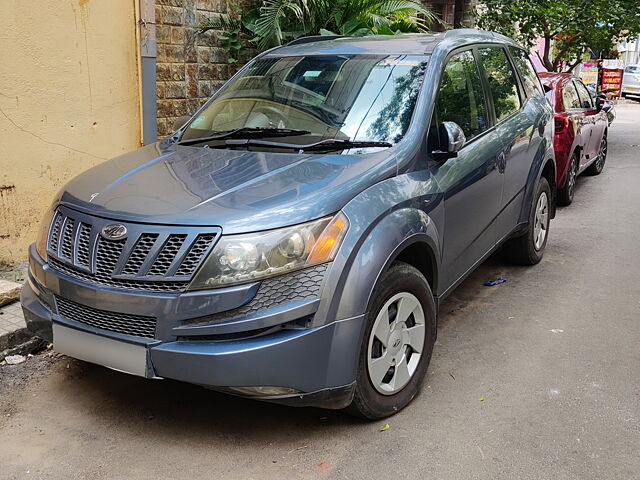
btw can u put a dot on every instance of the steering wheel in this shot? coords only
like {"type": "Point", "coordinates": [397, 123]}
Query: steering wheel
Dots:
{"type": "Point", "coordinates": [275, 116]}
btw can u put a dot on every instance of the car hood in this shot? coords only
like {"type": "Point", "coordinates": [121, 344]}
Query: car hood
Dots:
{"type": "Point", "coordinates": [240, 191]}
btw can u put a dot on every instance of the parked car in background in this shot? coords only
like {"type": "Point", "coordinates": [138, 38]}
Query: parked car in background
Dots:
{"type": "Point", "coordinates": [293, 241]}
{"type": "Point", "coordinates": [581, 126]}
{"type": "Point", "coordinates": [631, 80]}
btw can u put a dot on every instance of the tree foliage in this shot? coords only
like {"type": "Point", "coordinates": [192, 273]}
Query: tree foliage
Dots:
{"type": "Point", "coordinates": [274, 22]}
{"type": "Point", "coordinates": [569, 27]}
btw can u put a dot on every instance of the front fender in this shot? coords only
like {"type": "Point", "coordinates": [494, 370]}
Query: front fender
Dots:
{"type": "Point", "coordinates": [383, 219]}
{"type": "Point", "coordinates": [392, 234]}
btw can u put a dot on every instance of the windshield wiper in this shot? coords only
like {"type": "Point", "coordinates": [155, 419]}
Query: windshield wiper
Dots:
{"type": "Point", "coordinates": [246, 131]}
{"type": "Point", "coordinates": [328, 144]}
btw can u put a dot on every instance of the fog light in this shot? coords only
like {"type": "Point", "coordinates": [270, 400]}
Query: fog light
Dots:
{"type": "Point", "coordinates": [263, 391]}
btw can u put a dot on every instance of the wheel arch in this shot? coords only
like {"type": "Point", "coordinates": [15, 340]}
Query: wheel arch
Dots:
{"type": "Point", "coordinates": [407, 234]}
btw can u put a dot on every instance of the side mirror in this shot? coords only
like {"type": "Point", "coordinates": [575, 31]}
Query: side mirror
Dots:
{"type": "Point", "coordinates": [181, 122]}
{"type": "Point", "coordinates": [452, 139]}
{"type": "Point", "coordinates": [600, 103]}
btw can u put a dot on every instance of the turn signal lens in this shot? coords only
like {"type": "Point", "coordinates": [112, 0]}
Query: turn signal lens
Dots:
{"type": "Point", "coordinates": [327, 245]}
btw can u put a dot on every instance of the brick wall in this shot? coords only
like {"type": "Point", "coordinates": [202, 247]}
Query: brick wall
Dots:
{"type": "Point", "coordinates": [190, 66]}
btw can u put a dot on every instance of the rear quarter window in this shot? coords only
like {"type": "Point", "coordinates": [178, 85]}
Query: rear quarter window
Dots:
{"type": "Point", "coordinates": [502, 81]}
{"type": "Point", "coordinates": [530, 80]}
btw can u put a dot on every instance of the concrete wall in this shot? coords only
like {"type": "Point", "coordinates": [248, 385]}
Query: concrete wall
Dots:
{"type": "Point", "coordinates": [69, 99]}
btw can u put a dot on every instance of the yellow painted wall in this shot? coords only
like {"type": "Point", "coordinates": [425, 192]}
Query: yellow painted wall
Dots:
{"type": "Point", "coordinates": [69, 99]}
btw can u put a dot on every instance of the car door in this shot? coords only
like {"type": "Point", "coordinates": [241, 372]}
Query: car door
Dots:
{"type": "Point", "coordinates": [576, 117]}
{"type": "Point", "coordinates": [517, 117]}
{"type": "Point", "coordinates": [595, 120]}
{"type": "Point", "coordinates": [470, 181]}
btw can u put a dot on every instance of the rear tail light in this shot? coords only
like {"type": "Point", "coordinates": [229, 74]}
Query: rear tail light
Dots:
{"type": "Point", "coordinates": [560, 124]}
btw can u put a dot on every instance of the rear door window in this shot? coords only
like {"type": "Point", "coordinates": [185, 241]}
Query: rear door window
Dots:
{"type": "Point", "coordinates": [460, 97]}
{"type": "Point", "coordinates": [583, 93]}
{"type": "Point", "coordinates": [570, 96]}
{"type": "Point", "coordinates": [530, 80]}
{"type": "Point", "coordinates": [502, 81]}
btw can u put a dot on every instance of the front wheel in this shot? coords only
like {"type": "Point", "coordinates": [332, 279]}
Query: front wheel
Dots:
{"type": "Point", "coordinates": [527, 249]}
{"type": "Point", "coordinates": [397, 344]}
{"type": "Point", "coordinates": [598, 165]}
{"type": "Point", "coordinates": [565, 194]}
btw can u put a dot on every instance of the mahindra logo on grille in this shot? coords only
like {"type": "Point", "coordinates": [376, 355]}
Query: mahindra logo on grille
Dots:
{"type": "Point", "coordinates": [115, 231]}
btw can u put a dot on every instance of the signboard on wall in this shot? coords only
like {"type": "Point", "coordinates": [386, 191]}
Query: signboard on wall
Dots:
{"type": "Point", "coordinates": [589, 74]}
{"type": "Point", "coordinates": [612, 81]}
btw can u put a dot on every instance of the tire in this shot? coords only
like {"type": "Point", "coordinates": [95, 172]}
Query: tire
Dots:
{"type": "Point", "coordinates": [402, 288]}
{"type": "Point", "coordinates": [528, 248]}
{"type": "Point", "coordinates": [598, 165]}
{"type": "Point", "coordinates": [565, 194]}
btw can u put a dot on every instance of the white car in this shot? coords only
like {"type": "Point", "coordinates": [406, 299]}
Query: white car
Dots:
{"type": "Point", "coordinates": [631, 80]}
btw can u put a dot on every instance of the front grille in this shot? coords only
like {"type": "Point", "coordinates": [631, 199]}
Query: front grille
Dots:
{"type": "Point", "coordinates": [137, 325]}
{"type": "Point", "coordinates": [149, 258]}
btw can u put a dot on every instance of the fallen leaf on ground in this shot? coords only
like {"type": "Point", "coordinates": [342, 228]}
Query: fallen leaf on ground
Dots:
{"type": "Point", "coordinates": [482, 398]}
{"type": "Point", "coordinates": [385, 428]}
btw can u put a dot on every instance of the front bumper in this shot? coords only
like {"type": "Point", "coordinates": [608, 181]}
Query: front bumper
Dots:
{"type": "Point", "coordinates": [280, 346]}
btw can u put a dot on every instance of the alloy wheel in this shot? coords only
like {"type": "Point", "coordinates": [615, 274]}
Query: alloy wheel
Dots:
{"type": "Point", "coordinates": [571, 181]}
{"type": "Point", "coordinates": [396, 343]}
{"type": "Point", "coordinates": [602, 154]}
{"type": "Point", "coordinates": [541, 221]}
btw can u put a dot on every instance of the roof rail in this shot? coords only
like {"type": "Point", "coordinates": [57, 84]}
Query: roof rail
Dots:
{"type": "Point", "coordinates": [314, 38]}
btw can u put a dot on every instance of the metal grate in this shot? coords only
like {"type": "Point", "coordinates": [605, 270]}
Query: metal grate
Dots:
{"type": "Point", "coordinates": [137, 325]}
{"type": "Point", "coordinates": [54, 237]}
{"type": "Point", "coordinates": [82, 253]}
{"type": "Point", "coordinates": [139, 253]}
{"type": "Point", "coordinates": [195, 255]}
{"type": "Point", "coordinates": [167, 254]}
{"type": "Point", "coordinates": [148, 260]}
{"type": "Point", "coordinates": [67, 238]}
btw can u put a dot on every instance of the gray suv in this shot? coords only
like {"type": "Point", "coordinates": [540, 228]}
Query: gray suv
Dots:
{"type": "Point", "coordinates": [292, 241]}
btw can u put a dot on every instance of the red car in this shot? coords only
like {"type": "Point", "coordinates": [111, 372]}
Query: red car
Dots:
{"type": "Point", "coordinates": [580, 140]}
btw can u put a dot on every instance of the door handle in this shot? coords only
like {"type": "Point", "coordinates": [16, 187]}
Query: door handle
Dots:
{"type": "Point", "coordinates": [543, 123]}
{"type": "Point", "coordinates": [502, 162]}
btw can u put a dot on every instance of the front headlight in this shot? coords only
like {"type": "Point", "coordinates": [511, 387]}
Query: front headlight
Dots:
{"type": "Point", "coordinates": [249, 257]}
{"type": "Point", "coordinates": [43, 234]}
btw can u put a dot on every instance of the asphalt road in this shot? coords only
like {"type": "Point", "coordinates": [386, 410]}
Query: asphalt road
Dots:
{"type": "Point", "coordinates": [554, 354]}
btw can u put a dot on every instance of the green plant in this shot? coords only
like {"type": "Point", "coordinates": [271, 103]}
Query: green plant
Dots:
{"type": "Point", "coordinates": [274, 22]}
{"type": "Point", "coordinates": [232, 31]}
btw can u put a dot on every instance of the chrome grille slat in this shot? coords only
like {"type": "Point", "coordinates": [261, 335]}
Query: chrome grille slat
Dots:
{"type": "Point", "coordinates": [149, 258]}
{"type": "Point", "coordinates": [68, 229]}
{"type": "Point", "coordinates": [137, 325]}
{"type": "Point", "coordinates": [54, 236]}
{"type": "Point", "coordinates": [82, 250]}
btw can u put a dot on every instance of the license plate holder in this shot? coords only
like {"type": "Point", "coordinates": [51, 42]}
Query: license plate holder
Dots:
{"type": "Point", "coordinates": [115, 354]}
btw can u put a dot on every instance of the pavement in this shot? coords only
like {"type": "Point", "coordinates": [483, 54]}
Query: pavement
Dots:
{"type": "Point", "coordinates": [536, 378]}
{"type": "Point", "coordinates": [11, 318]}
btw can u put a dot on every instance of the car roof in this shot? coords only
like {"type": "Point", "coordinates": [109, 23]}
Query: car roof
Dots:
{"type": "Point", "coordinates": [411, 43]}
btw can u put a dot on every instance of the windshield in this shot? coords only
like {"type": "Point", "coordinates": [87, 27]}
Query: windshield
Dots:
{"type": "Point", "coordinates": [345, 97]}
{"type": "Point", "coordinates": [632, 69]}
